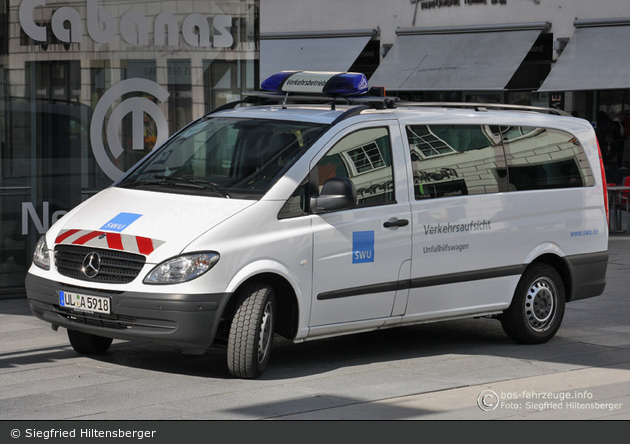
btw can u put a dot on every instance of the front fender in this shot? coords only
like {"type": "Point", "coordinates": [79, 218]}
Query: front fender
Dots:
{"type": "Point", "coordinates": [268, 266]}
{"type": "Point", "coordinates": [261, 267]}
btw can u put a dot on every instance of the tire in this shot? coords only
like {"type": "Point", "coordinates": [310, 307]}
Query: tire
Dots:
{"type": "Point", "coordinates": [251, 331]}
{"type": "Point", "coordinates": [88, 344]}
{"type": "Point", "coordinates": [537, 309]}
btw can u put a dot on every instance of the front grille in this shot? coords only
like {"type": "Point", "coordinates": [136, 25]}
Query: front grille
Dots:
{"type": "Point", "coordinates": [117, 267]}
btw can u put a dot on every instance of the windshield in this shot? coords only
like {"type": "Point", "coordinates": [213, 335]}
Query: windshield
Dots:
{"type": "Point", "coordinates": [233, 158]}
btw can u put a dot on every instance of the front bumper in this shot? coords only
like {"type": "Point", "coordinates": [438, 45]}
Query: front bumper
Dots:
{"type": "Point", "coordinates": [188, 321]}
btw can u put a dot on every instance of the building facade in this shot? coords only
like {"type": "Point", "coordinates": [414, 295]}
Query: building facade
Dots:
{"type": "Point", "coordinates": [91, 86]}
{"type": "Point", "coordinates": [567, 54]}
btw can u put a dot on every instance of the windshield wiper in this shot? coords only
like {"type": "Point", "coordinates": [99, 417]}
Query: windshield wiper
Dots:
{"type": "Point", "coordinates": [188, 182]}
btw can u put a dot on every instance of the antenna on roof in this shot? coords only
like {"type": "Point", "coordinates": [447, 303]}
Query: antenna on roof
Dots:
{"type": "Point", "coordinates": [284, 103]}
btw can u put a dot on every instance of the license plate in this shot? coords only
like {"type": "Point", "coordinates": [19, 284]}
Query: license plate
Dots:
{"type": "Point", "coordinates": [93, 304]}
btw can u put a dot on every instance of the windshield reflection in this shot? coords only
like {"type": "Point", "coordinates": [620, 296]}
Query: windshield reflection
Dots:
{"type": "Point", "coordinates": [232, 158]}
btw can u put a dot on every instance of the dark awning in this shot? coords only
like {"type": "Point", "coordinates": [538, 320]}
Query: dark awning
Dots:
{"type": "Point", "coordinates": [595, 58]}
{"type": "Point", "coordinates": [456, 58]}
{"type": "Point", "coordinates": [312, 51]}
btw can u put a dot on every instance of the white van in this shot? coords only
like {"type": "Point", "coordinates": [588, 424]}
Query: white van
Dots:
{"type": "Point", "coordinates": [313, 219]}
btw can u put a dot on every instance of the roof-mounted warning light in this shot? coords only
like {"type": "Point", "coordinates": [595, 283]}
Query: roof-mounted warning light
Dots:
{"type": "Point", "coordinates": [300, 87]}
{"type": "Point", "coordinates": [315, 82]}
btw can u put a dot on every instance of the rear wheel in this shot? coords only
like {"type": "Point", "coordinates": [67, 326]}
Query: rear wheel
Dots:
{"type": "Point", "coordinates": [537, 308]}
{"type": "Point", "coordinates": [251, 331]}
{"type": "Point", "coordinates": [88, 344]}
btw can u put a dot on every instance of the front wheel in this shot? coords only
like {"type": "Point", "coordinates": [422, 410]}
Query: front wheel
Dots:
{"type": "Point", "coordinates": [88, 344]}
{"type": "Point", "coordinates": [537, 308]}
{"type": "Point", "coordinates": [251, 331]}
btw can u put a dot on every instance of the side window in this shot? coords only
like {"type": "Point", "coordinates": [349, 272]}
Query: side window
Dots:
{"type": "Point", "coordinates": [456, 160]}
{"type": "Point", "coordinates": [540, 158]}
{"type": "Point", "coordinates": [364, 157]}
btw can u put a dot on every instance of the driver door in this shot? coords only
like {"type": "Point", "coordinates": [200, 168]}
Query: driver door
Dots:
{"type": "Point", "coordinates": [358, 253]}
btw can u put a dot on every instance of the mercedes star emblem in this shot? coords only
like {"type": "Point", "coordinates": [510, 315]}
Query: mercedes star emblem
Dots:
{"type": "Point", "coordinates": [91, 265]}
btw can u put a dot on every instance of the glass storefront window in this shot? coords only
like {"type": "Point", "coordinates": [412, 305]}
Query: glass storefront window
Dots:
{"type": "Point", "coordinates": [613, 101]}
{"type": "Point", "coordinates": [89, 87]}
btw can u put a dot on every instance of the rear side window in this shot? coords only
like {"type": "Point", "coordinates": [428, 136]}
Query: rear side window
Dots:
{"type": "Point", "coordinates": [455, 160]}
{"type": "Point", "coordinates": [451, 160]}
{"type": "Point", "coordinates": [540, 159]}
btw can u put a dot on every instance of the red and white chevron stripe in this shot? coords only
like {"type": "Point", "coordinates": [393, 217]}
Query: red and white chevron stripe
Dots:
{"type": "Point", "coordinates": [112, 241]}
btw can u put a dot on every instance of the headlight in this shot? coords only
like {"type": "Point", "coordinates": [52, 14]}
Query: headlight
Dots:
{"type": "Point", "coordinates": [182, 268]}
{"type": "Point", "coordinates": [41, 256]}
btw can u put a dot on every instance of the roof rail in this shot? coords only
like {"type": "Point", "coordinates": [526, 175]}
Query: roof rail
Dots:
{"type": "Point", "coordinates": [488, 106]}
{"type": "Point", "coordinates": [355, 111]}
{"type": "Point", "coordinates": [371, 102]}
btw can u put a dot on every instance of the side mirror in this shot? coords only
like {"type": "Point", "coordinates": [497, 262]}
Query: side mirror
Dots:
{"type": "Point", "coordinates": [338, 193]}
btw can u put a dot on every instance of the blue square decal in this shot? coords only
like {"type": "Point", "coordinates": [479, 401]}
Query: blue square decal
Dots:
{"type": "Point", "coordinates": [362, 247]}
{"type": "Point", "coordinates": [120, 222]}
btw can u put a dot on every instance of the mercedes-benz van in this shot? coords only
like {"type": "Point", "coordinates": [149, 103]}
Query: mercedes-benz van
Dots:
{"type": "Point", "coordinates": [331, 213]}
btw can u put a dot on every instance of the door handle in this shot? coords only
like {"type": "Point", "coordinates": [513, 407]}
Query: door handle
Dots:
{"type": "Point", "coordinates": [396, 223]}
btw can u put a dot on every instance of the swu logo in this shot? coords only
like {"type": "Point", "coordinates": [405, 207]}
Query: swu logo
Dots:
{"type": "Point", "coordinates": [134, 27]}
{"type": "Point", "coordinates": [362, 247]}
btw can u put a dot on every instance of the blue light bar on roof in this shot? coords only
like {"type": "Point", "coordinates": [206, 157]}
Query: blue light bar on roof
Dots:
{"type": "Point", "coordinates": [274, 83]}
{"type": "Point", "coordinates": [315, 82]}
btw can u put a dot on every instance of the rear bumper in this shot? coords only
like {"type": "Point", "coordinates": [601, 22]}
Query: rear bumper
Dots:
{"type": "Point", "coordinates": [588, 273]}
{"type": "Point", "coordinates": [188, 321]}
